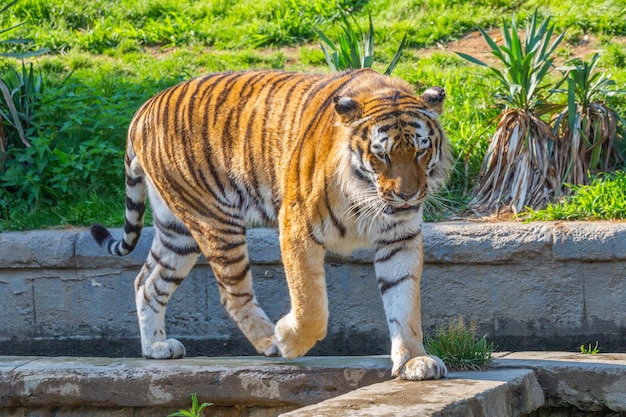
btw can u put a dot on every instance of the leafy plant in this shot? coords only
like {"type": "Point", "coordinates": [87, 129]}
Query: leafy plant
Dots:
{"type": "Point", "coordinates": [589, 349]}
{"type": "Point", "coordinates": [194, 411]}
{"type": "Point", "coordinates": [516, 170]}
{"type": "Point", "coordinates": [591, 136]}
{"type": "Point", "coordinates": [355, 49]}
{"type": "Point", "coordinates": [459, 348]}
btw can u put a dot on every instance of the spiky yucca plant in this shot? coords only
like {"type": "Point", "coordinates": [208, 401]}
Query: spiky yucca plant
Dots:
{"type": "Point", "coordinates": [16, 100]}
{"type": "Point", "coordinates": [354, 49]}
{"type": "Point", "coordinates": [517, 170]}
{"type": "Point", "coordinates": [591, 135]}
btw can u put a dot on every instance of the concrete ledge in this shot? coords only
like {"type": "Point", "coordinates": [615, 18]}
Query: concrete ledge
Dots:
{"type": "Point", "coordinates": [549, 286]}
{"type": "Point", "coordinates": [447, 242]}
{"type": "Point", "coordinates": [587, 382]}
{"type": "Point", "coordinates": [518, 384]}
{"type": "Point", "coordinates": [490, 393]}
{"type": "Point", "coordinates": [105, 382]}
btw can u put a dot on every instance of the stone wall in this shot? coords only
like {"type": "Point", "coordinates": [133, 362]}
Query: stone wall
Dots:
{"type": "Point", "coordinates": [537, 286]}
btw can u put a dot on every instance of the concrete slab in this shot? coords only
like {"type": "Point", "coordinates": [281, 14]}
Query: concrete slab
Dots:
{"type": "Point", "coordinates": [493, 393]}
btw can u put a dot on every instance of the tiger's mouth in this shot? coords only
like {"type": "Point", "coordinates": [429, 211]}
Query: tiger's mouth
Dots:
{"type": "Point", "coordinates": [402, 209]}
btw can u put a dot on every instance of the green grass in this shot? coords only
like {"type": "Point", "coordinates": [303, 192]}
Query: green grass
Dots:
{"type": "Point", "coordinates": [603, 199]}
{"type": "Point", "coordinates": [459, 348]}
{"type": "Point", "coordinates": [113, 55]}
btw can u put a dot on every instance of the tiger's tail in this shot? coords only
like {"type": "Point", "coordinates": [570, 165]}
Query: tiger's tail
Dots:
{"type": "Point", "coordinates": [135, 208]}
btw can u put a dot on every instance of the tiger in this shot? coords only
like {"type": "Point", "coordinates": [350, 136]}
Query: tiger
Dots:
{"type": "Point", "coordinates": [335, 161]}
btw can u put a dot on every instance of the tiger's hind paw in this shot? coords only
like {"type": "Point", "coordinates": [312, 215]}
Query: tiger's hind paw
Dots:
{"type": "Point", "coordinates": [169, 349]}
{"type": "Point", "coordinates": [423, 367]}
{"type": "Point", "coordinates": [272, 351]}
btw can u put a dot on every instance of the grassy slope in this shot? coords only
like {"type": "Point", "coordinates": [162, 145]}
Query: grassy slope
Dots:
{"type": "Point", "coordinates": [121, 52]}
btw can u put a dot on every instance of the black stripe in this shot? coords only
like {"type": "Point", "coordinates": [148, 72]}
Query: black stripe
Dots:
{"type": "Point", "coordinates": [223, 260]}
{"type": "Point", "coordinates": [325, 106]}
{"type": "Point", "coordinates": [249, 160]}
{"type": "Point", "coordinates": [185, 250]}
{"type": "Point", "coordinates": [228, 219]}
{"type": "Point", "coordinates": [160, 261]}
{"type": "Point", "coordinates": [110, 244]}
{"type": "Point", "coordinates": [249, 84]}
{"type": "Point", "coordinates": [221, 199]}
{"type": "Point", "coordinates": [389, 255]}
{"type": "Point", "coordinates": [333, 217]}
{"type": "Point", "coordinates": [132, 227]}
{"type": "Point", "coordinates": [312, 234]}
{"type": "Point", "coordinates": [172, 280]}
{"type": "Point", "coordinates": [162, 125]}
{"type": "Point", "coordinates": [226, 140]}
{"type": "Point", "coordinates": [195, 98]}
{"type": "Point", "coordinates": [129, 246]}
{"type": "Point", "coordinates": [231, 246]}
{"type": "Point", "coordinates": [172, 226]}
{"type": "Point", "coordinates": [138, 206]}
{"type": "Point", "coordinates": [401, 239]}
{"type": "Point", "coordinates": [247, 295]}
{"type": "Point", "coordinates": [235, 279]}
{"type": "Point", "coordinates": [149, 302]}
{"type": "Point", "coordinates": [385, 285]}
{"type": "Point", "coordinates": [208, 92]}
{"type": "Point", "coordinates": [179, 122]}
{"type": "Point", "coordinates": [361, 174]}
{"type": "Point", "coordinates": [389, 227]}
{"type": "Point", "coordinates": [226, 90]}
{"type": "Point", "coordinates": [133, 181]}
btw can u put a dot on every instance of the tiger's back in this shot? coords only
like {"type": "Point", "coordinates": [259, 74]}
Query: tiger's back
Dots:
{"type": "Point", "coordinates": [232, 136]}
{"type": "Point", "coordinates": [336, 161]}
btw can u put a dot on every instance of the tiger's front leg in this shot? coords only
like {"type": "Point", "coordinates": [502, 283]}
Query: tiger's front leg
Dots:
{"type": "Point", "coordinates": [306, 323]}
{"type": "Point", "coordinates": [398, 268]}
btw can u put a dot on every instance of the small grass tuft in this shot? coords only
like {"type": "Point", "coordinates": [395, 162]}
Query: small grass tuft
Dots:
{"type": "Point", "coordinates": [194, 411]}
{"type": "Point", "coordinates": [459, 348]}
{"type": "Point", "coordinates": [589, 349]}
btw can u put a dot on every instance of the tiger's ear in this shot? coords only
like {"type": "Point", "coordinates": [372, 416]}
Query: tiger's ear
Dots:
{"type": "Point", "coordinates": [348, 109]}
{"type": "Point", "coordinates": [434, 98]}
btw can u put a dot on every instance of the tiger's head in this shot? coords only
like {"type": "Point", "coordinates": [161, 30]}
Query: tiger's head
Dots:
{"type": "Point", "coordinates": [398, 153]}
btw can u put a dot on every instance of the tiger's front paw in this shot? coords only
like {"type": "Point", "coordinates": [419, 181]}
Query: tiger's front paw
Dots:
{"type": "Point", "coordinates": [293, 341]}
{"type": "Point", "coordinates": [169, 349]}
{"type": "Point", "coordinates": [423, 367]}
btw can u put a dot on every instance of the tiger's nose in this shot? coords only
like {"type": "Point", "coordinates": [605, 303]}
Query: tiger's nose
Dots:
{"type": "Point", "coordinates": [404, 196]}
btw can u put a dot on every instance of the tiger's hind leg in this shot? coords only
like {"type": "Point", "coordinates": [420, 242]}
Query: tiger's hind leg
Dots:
{"type": "Point", "coordinates": [227, 253]}
{"type": "Point", "coordinates": [172, 256]}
